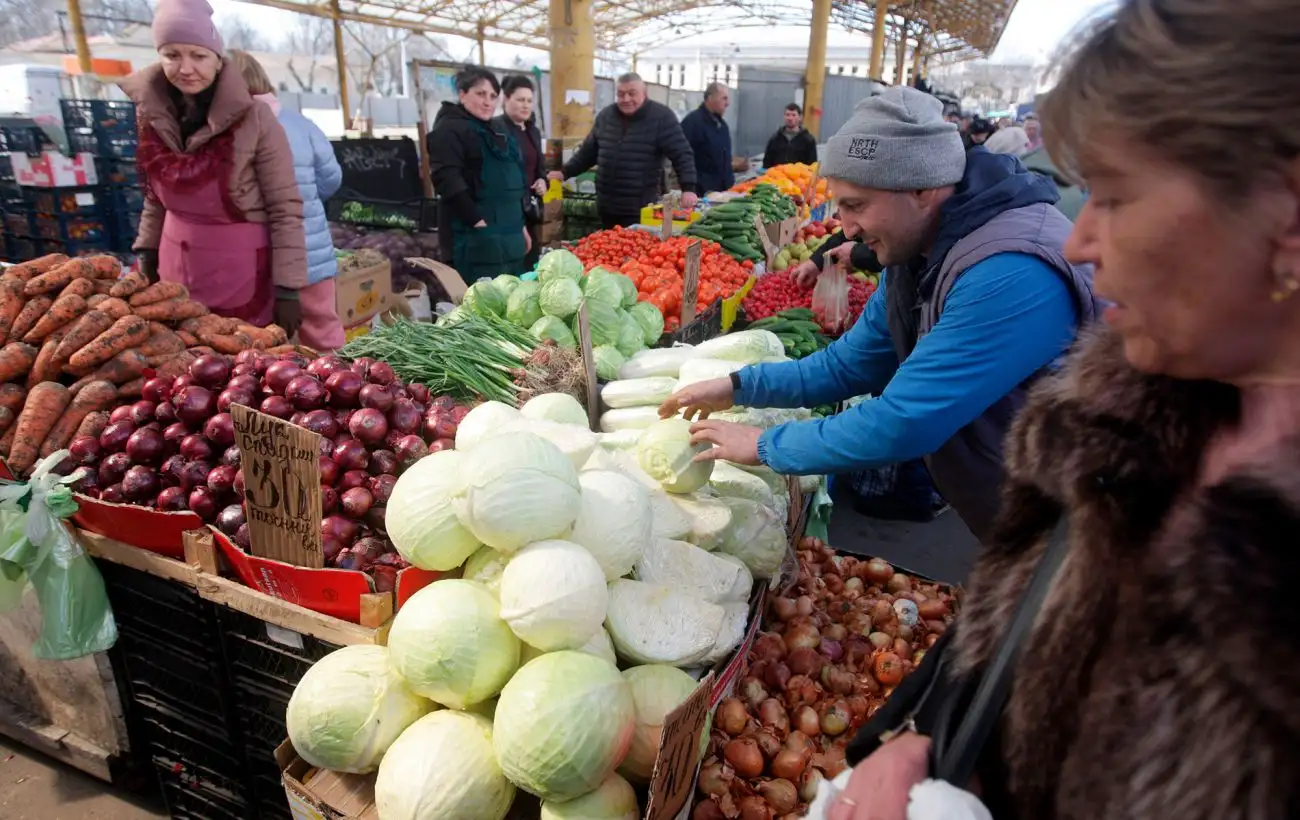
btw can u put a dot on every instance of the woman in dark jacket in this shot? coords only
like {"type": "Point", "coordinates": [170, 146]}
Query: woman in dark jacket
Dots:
{"type": "Point", "coordinates": [520, 123]}
{"type": "Point", "coordinates": [478, 178]}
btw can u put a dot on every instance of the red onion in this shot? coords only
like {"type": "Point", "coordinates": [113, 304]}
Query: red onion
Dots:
{"type": "Point", "coordinates": [173, 435]}
{"type": "Point", "coordinates": [321, 422]}
{"type": "Point", "coordinates": [232, 457]}
{"type": "Point", "coordinates": [377, 518]}
{"type": "Point", "coordinates": [245, 369]}
{"type": "Point", "coordinates": [329, 500]}
{"type": "Point", "coordinates": [145, 446]}
{"type": "Point", "coordinates": [381, 487]}
{"type": "Point", "coordinates": [195, 405]}
{"type": "Point", "coordinates": [279, 374]}
{"type": "Point", "coordinates": [172, 499]}
{"type": "Point", "coordinates": [410, 449]}
{"type": "Point", "coordinates": [231, 396]}
{"type": "Point", "coordinates": [172, 469]}
{"type": "Point", "coordinates": [139, 483]}
{"type": "Point", "coordinates": [404, 416]}
{"type": "Point", "coordinates": [113, 494]}
{"type": "Point", "coordinates": [85, 449]}
{"type": "Point", "coordinates": [330, 550]}
{"type": "Point", "coordinates": [376, 397]}
{"type": "Point", "coordinates": [382, 462]}
{"type": "Point", "coordinates": [195, 475]}
{"type": "Point", "coordinates": [221, 479]}
{"type": "Point", "coordinates": [239, 483]}
{"type": "Point", "coordinates": [277, 406]}
{"type": "Point", "coordinates": [339, 528]}
{"type": "Point", "coordinates": [351, 454]}
{"type": "Point", "coordinates": [438, 445]}
{"type": "Point", "coordinates": [329, 471]}
{"type": "Point", "coordinates": [385, 577]}
{"type": "Point", "coordinates": [230, 519]}
{"type": "Point", "coordinates": [440, 424]}
{"type": "Point", "coordinates": [115, 436]}
{"type": "Point", "coordinates": [305, 392]}
{"type": "Point", "coordinates": [380, 373]}
{"type": "Point", "coordinates": [181, 382]}
{"type": "Point", "coordinates": [165, 413]}
{"type": "Point", "coordinates": [344, 388]}
{"type": "Point", "coordinates": [142, 412]}
{"type": "Point", "coordinates": [298, 418]}
{"type": "Point", "coordinates": [113, 468]}
{"type": "Point", "coordinates": [203, 503]}
{"type": "Point", "coordinates": [356, 502]}
{"type": "Point", "coordinates": [156, 390]}
{"type": "Point", "coordinates": [368, 425]}
{"type": "Point", "coordinates": [246, 383]}
{"type": "Point", "coordinates": [196, 447]}
{"type": "Point", "coordinates": [220, 430]}
{"type": "Point", "coordinates": [210, 370]}
{"type": "Point", "coordinates": [352, 479]}
{"type": "Point", "coordinates": [244, 538]}
{"type": "Point", "coordinates": [361, 366]}
{"type": "Point", "coordinates": [326, 366]}
{"type": "Point", "coordinates": [122, 413]}
{"type": "Point", "coordinates": [247, 357]}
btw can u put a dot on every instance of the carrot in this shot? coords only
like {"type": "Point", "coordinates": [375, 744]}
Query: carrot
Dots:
{"type": "Point", "coordinates": [7, 440]}
{"type": "Point", "coordinates": [162, 343]}
{"type": "Point", "coordinates": [83, 332]}
{"type": "Point", "coordinates": [126, 333]}
{"type": "Point", "coordinates": [30, 270]}
{"type": "Point", "coordinates": [94, 397]}
{"type": "Point", "coordinates": [201, 350]}
{"type": "Point", "coordinates": [104, 286]}
{"type": "Point", "coordinates": [64, 311]}
{"type": "Point", "coordinates": [230, 343]}
{"type": "Point", "coordinates": [122, 368]}
{"type": "Point", "coordinates": [16, 359]}
{"type": "Point", "coordinates": [278, 349]}
{"type": "Point", "coordinates": [48, 364]}
{"type": "Point", "coordinates": [132, 389]}
{"type": "Point", "coordinates": [85, 288]}
{"type": "Point", "coordinates": [188, 338]}
{"type": "Point", "coordinates": [176, 365]}
{"type": "Point", "coordinates": [171, 310]}
{"type": "Point", "coordinates": [264, 337]}
{"type": "Point", "coordinates": [7, 418]}
{"type": "Point", "coordinates": [45, 403]}
{"type": "Point", "coordinates": [12, 396]}
{"type": "Point", "coordinates": [211, 323]}
{"type": "Point", "coordinates": [30, 315]}
{"type": "Point", "coordinates": [106, 267]}
{"type": "Point", "coordinates": [93, 424]}
{"type": "Point", "coordinates": [133, 282]}
{"type": "Point", "coordinates": [158, 292]}
{"type": "Point", "coordinates": [12, 302]}
{"type": "Point", "coordinates": [114, 307]}
{"type": "Point", "coordinates": [59, 277]}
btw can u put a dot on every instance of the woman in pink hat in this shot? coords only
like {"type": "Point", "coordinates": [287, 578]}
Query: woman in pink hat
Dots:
{"type": "Point", "coordinates": [223, 214]}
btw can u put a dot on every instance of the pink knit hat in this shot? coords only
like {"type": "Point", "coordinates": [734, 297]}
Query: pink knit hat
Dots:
{"type": "Point", "coordinates": [186, 22]}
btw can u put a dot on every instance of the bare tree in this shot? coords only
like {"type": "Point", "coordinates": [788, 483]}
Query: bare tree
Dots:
{"type": "Point", "coordinates": [374, 55]}
{"type": "Point", "coordinates": [311, 39]}
{"type": "Point", "coordinates": [237, 32]}
{"type": "Point", "coordinates": [27, 19]}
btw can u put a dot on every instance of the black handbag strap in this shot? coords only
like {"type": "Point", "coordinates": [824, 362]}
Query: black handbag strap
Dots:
{"type": "Point", "coordinates": [955, 761]}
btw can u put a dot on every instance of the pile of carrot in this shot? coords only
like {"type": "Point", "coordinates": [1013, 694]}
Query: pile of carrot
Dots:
{"type": "Point", "coordinates": [76, 337]}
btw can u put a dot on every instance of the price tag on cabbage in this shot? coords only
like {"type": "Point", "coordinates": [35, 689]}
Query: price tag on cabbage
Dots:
{"type": "Point", "coordinates": [281, 487]}
{"type": "Point", "coordinates": [673, 781]}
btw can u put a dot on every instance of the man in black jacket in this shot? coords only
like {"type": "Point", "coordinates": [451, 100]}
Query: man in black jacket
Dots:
{"type": "Point", "coordinates": [627, 145]}
{"type": "Point", "coordinates": [793, 143]}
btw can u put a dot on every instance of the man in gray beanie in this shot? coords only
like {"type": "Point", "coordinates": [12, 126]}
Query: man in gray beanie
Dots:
{"type": "Point", "coordinates": [975, 301]}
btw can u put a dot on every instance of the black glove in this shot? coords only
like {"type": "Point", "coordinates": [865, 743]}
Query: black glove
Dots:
{"type": "Point", "coordinates": [149, 263]}
{"type": "Point", "coordinates": [288, 310]}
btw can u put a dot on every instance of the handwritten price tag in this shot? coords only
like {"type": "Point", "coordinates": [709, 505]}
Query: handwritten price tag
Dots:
{"type": "Point", "coordinates": [281, 487]}
{"type": "Point", "coordinates": [673, 781]}
{"type": "Point", "coordinates": [690, 283]}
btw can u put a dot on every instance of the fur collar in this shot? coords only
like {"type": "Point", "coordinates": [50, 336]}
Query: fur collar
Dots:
{"type": "Point", "coordinates": [1163, 676]}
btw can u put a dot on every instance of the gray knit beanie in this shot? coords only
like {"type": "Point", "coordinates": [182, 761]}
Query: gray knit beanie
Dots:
{"type": "Point", "coordinates": [896, 140]}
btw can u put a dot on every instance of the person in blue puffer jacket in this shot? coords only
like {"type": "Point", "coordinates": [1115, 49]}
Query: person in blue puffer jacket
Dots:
{"type": "Point", "coordinates": [319, 176]}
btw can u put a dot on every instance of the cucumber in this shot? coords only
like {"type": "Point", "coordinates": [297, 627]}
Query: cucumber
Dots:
{"type": "Point", "coordinates": [797, 313]}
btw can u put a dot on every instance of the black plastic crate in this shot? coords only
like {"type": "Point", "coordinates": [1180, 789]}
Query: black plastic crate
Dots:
{"type": "Point", "coordinates": [273, 657]}
{"type": "Point", "coordinates": [83, 201]}
{"type": "Point", "coordinates": [21, 249]}
{"type": "Point", "coordinates": [73, 249]}
{"type": "Point", "coordinates": [30, 140]}
{"type": "Point", "coordinates": [125, 199]}
{"type": "Point", "coordinates": [125, 228]}
{"type": "Point", "coordinates": [106, 115]}
{"type": "Point", "coordinates": [117, 171]}
{"type": "Point", "coordinates": [81, 230]}
{"type": "Point", "coordinates": [18, 224]}
{"type": "Point", "coordinates": [6, 167]}
{"type": "Point", "coordinates": [109, 145]}
{"type": "Point", "coordinates": [188, 797]}
{"type": "Point", "coordinates": [705, 326]}
{"type": "Point", "coordinates": [269, 798]}
{"type": "Point", "coordinates": [261, 711]}
{"type": "Point", "coordinates": [177, 738]}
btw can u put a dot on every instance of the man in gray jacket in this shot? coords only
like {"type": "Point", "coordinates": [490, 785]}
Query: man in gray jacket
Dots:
{"type": "Point", "coordinates": [628, 145]}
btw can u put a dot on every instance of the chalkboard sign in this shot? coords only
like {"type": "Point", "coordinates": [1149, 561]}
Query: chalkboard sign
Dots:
{"type": "Point", "coordinates": [379, 170]}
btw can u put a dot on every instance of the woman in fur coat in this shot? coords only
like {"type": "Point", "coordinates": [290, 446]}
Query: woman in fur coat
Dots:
{"type": "Point", "coordinates": [1161, 676]}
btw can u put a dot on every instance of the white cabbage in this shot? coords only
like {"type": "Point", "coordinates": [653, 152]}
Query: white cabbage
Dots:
{"type": "Point", "coordinates": [666, 454]}
{"type": "Point", "coordinates": [735, 623]}
{"type": "Point", "coordinates": [575, 441]}
{"type": "Point", "coordinates": [443, 767]}
{"type": "Point", "coordinates": [553, 595]}
{"type": "Point", "coordinates": [703, 370]}
{"type": "Point", "coordinates": [687, 568]}
{"type": "Point", "coordinates": [731, 481]}
{"type": "Point", "coordinates": [670, 520]}
{"type": "Point", "coordinates": [564, 723]}
{"type": "Point", "coordinates": [614, 799]}
{"type": "Point", "coordinates": [483, 421]}
{"type": "Point", "coordinates": [349, 708]}
{"type": "Point", "coordinates": [654, 624]}
{"type": "Point", "coordinates": [450, 645]}
{"type": "Point", "coordinates": [485, 566]}
{"type": "Point", "coordinates": [599, 645]}
{"type": "Point", "coordinates": [628, 418]}
{"type": "Point", "coordinates": [661, 361]}
{"type": "Point", "coordinates": [619, 439]}
{"type": "Point", "coordinates": [710, 518]}
{"type": "Point", "coordinates": [757, 536]}
{"type": "Point", "coordinates": [646, 392]}
{"type": "Point", "coordinates": [421, 518]}
{"type": "Point", "coordinates": [519, 488]}
{"type": "Point", "coordinates": [656, 690]}
{"type": "Point", "coordinates": [558, 407]}
{"type": "Point", "coordinates": [746, 346]}
{"type": "Point", "coordinates": [615, 522]}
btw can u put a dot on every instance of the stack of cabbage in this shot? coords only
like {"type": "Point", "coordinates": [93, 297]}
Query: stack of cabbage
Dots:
{"type": "Point", "coordinates": [548, 307]}
{"type": "Point", "coordinates": [578, 560]}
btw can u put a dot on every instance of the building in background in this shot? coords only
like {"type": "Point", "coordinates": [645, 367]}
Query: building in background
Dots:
{"type": "Point", "coordinates": [692, 68]}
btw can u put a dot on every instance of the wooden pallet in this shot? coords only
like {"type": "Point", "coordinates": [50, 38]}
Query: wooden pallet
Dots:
{"type": "Point", "coordinates": [201, 570]}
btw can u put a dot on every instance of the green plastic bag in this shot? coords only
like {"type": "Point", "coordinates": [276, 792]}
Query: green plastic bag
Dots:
{"type": "Point", "coordinates": [76, 618]}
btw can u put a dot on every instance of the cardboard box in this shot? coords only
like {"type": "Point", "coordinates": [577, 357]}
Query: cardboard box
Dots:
{"type": "Point", "coordinates": [50, 169]}
{"type": "Point", "coordinates": [782, 233]}
{"type": "Point", "coordinates": [361, 293]}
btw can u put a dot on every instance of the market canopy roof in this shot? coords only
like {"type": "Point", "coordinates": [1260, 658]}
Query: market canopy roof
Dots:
{"type": "Point", "coordinates": [620, 24]}
{"type": "Point", "coordinates": [959, 28]}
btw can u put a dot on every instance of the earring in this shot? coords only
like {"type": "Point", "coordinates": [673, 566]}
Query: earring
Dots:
{"type": "Point", "coordinates": [1286, 289]}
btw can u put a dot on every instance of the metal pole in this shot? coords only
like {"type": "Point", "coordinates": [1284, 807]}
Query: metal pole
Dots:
{"type": "Point", "coordinates": [341, 60]}
{"type": "Point", "coordinates": [79, 37]}
{"type": "Point", "coordinates": [878, 40]}
{"type": "Point", "coordinates": [815, 74]}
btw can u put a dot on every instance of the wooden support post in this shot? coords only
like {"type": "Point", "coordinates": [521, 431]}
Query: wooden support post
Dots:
{"type": "Point", "coordinates": [79, 37]}
{"type": "Point", "coordinates": [573, 79]}
{"type": "Point", "coordinates": [341, 59]}
{"type": "Point", "coordinates": [815, 73]}
{"type": "Point", "coordinates": [878, 40]}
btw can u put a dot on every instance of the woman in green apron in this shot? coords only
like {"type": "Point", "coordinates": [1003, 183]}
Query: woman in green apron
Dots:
{"type": "Point", "coordinates": [478, 178]}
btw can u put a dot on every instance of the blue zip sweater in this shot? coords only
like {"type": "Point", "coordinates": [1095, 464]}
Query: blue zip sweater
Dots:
{"type": "Point", "coordinates": [1004, 319]}
{"type": "Point", "coordinates": [319, 177]}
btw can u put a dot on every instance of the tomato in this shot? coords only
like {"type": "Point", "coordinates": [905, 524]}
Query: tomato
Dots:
{"type": "Point", "coordinates": [888, 669]}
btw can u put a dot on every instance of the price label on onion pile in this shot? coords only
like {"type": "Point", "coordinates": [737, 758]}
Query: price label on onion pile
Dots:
{"type": "Point", "coordinates": [673, 780]}
{"type": "Point", "coordinates": [281, 487]}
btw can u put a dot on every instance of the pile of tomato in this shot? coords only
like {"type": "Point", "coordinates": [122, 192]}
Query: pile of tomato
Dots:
{"type": "Point", "coordinates": [779, 291]}
{"type": "Point", "coordinates": [658, 266]}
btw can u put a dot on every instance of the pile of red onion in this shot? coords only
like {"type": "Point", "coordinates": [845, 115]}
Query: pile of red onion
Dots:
{"type": "Point", "coordinates": [833, 650]}
{"type": "Point", "coordinates": [174, 449]}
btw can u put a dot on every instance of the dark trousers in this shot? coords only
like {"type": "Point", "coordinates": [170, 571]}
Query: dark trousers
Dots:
{"type": "Point", "coordinates": [530, 261]}
{"type": "Point", "coordinates": [608, 221]}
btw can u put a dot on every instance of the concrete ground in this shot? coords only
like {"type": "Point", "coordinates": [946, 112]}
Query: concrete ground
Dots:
{"type": "Point", "coordinates": [34, 787]}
